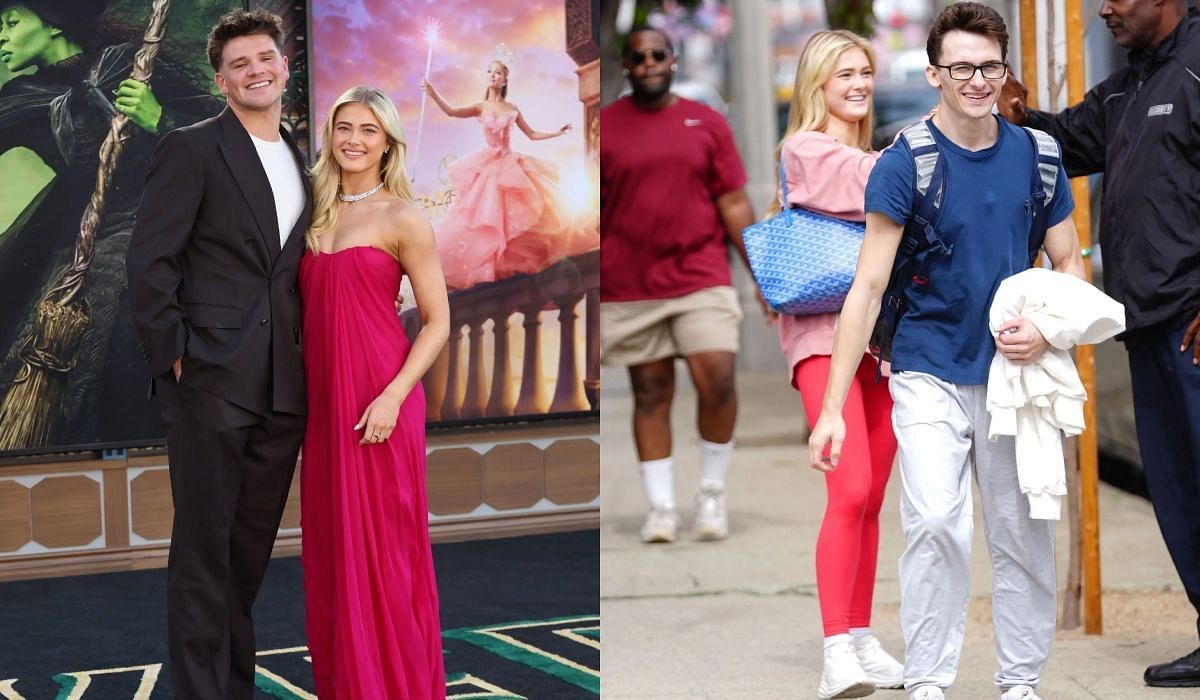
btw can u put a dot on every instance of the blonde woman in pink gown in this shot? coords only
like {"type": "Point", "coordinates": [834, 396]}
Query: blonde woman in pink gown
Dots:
{"type": "Point", "coordinates": [370, 592]}
{"type": "Point", "coordinates": [508, 216]}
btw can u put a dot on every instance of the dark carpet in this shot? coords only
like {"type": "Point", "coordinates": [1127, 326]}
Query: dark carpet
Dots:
{"type": "Point", "coordinates": [520, 618]}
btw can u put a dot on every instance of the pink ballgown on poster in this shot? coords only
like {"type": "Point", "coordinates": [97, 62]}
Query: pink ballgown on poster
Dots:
{"type": "Point", "coordinates": [370, 593]}
{"type": "Point", "coordinates": [508, 216]}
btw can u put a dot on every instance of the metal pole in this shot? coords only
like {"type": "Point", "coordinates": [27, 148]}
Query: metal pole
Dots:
{"type": "Point", "coordinates": [753, 115]}
{"type": "Point", "coordinates": [1084, 359]}
{"type": "Point", "coordinates": [1029, 51]}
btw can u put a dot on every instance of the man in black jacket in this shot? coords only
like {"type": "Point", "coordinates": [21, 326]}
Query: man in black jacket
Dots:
{"type": "Point", "coordinates": [1139, 128]}
{"type": "Point", "coordinates": [212, 282]}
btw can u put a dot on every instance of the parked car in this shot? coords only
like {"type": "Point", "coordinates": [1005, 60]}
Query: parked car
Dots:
{"type": "Point", "coordinates": [1116, 433]}
{"type": "Point", "coordinates": [896, 106]}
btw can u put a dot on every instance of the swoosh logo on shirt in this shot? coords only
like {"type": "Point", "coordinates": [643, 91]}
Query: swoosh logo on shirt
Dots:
{"type": "Point", "coordinates": [692, 122]}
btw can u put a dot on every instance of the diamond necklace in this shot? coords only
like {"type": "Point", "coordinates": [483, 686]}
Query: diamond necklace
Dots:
{"type": "Point", "coordinates": [364, 195]}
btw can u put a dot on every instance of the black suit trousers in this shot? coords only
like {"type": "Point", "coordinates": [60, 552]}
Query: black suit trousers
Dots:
{"type": "Point", "coordinates": [1166, 411]}
{"type": "Point", "coordinates": [230, 474]}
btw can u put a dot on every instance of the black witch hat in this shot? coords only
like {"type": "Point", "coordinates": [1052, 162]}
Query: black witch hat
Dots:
{"type": "Point", "coordinates": [76, 18]}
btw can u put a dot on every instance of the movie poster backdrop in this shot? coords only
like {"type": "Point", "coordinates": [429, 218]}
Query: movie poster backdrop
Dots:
{"type": "Point", "coordinates": [509, 187]}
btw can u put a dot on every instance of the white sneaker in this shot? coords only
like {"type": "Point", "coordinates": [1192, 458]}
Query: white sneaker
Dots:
{"type": "Point", "coordinates": [842, 677]}
{"type": "Point", "coordinates": [661, 525]}
{"type": "Point", "coordinates": [927, 692]}
{"type": "Point", "coordinates": [881, 668]}
{"type": "Point", "coordinates": [711, 523]}
{"type": "Point", "coordinates": [1019, 692]}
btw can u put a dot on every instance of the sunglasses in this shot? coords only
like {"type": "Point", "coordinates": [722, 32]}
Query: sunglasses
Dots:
{"type": "Point", "coordinates": [637, 58]}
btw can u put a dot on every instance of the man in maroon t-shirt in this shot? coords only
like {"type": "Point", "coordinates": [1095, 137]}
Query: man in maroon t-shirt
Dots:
{"type": "Point", "coordinates": [671, 202]}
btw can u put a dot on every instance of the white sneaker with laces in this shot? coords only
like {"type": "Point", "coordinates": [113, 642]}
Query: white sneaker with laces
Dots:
{"type": "Point", "coordinates": [661, 525]}
{"type": "Point", "coordinates": [881, 668]}
{"type": "Point", "coordinates": [711, 522]}
{"type": "Point", "coordinates": [1019, 692]}
{"type": "Point", "coordinates": [842, 677]}
{"type": "Point", "coordinates": [927, 692]}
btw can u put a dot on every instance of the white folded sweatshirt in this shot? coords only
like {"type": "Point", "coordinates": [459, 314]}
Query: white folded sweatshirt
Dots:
{"type": "Point", "coordinates": [1041, 401]}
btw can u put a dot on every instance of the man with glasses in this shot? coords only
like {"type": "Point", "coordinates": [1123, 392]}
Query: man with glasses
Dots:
{"type": "Point", "coordinates": [1138, 127]}
{"type": "Point", "coordinates": [671, 201]}
{"type": "Point", "coordinates": [941, 353]}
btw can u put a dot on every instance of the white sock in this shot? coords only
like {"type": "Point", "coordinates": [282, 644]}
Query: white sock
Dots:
{"type": "Point", "coordinates": [831, 642]}
{"type": "Point", "coordinates": [714, 462]}
{"type": "Point", "coordinates": [860, 633]}
{"type": "Point", "coordinates": [658, 479]}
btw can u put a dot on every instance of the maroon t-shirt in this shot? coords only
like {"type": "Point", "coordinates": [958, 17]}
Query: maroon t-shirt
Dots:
{"type": "Point", "coordinates": [661, 173]}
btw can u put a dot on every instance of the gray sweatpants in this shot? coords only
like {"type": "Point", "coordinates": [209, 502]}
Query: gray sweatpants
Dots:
{"type": "Point", "coordinates": [942, 432]}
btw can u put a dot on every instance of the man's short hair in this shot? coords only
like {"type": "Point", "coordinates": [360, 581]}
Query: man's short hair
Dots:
{"type": "Point", "coordinates": [242, 23]}
{"type": "Point", "coordinates": [645, 28]}
{"type": "Point", "coordinates": [971, 17]}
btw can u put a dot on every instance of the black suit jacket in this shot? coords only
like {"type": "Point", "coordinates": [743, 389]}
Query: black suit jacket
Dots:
{"type": "Point", "coordinates": [207, 278]}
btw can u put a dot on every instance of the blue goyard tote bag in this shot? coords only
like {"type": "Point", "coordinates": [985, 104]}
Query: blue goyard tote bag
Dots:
{"type": "Point", "coordinates": [803, 261]}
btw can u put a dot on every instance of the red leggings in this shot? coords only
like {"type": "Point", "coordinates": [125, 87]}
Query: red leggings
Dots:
{"type": "Point", "coordinates": [848, 544]}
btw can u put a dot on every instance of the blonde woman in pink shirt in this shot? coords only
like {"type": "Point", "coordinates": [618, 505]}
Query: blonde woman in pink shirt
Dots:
{"type": "Point", "coordinates": [827, 158]}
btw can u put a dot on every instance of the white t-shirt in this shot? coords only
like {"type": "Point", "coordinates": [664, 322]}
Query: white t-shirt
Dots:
{"type": "Point", "coordinates": [286, 185]}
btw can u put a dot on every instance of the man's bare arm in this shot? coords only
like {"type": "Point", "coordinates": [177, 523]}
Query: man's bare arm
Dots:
{"type": "Point", "coordinates": [854, 326]}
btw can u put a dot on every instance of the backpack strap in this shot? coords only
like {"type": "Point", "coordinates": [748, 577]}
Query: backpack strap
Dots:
{"type": "Point", "coordinates": [919, 240]}
{"type": "Point", "coordinates": [1049, 159]}
{"type": "Point", "coordinates": [929, 191]}
{"type": "Point", "coordinates": [1041, 187]}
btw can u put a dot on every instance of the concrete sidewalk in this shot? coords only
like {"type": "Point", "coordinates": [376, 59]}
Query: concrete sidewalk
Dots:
{"type": "Point", "coordinates": [739, 619]}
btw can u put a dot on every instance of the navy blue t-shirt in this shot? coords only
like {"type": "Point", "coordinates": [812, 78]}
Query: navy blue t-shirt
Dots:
{"type": "Point", "coordinates": [945, 331]}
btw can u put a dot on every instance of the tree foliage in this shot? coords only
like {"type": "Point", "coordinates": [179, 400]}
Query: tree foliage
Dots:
{"type": "Point", "coordinates": [855, 15]}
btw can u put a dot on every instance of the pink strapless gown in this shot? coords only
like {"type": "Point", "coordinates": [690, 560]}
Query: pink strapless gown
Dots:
{"type": "Point", "coordinates": [508, 216]}
{"type": "Point", "coordinates": [370, 592]}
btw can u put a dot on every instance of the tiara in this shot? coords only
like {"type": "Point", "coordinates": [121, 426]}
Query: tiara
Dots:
{"type": "Point", "coordinates": [503, 55]}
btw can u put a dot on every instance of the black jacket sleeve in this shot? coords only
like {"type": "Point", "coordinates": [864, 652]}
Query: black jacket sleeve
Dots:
{"type": "Point", "coordinates": [1081, 129]}
{"type": "Point", "coordinates": [170, 200]}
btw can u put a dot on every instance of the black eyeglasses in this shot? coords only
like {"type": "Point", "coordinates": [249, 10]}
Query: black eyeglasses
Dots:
{"type": "Point", "coordinates": [637, 58]}
{"type": "Point", "coordinates": [965, 71]}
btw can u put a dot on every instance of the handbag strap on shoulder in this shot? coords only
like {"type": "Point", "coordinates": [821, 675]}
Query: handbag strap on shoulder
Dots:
{"type": "Point", "coordinates": [783, 178]}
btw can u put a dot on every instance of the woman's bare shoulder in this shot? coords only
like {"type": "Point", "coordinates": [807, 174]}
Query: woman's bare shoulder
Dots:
{"type": "Point", "coordinates": [405, 214]}
{"type": "Point", "coordinates": [407, 223]}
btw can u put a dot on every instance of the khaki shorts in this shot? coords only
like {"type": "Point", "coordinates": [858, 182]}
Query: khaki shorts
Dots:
{"type": "Point", "coordinates": [637, 332]}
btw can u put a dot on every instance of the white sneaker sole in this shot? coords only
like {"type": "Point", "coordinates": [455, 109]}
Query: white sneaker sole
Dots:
{"type": "Point", "coordinates": [886, 683]}
{"type": "Point", "coordinates": [658, 538]}
{"type": "Point", "coordinates": [710, 533]}
{"type": "Point", "coordinates": [856, 690]}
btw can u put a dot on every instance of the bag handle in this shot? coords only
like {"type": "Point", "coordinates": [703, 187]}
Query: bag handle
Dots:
{"type": "Point", "coordinates": [783, 179]}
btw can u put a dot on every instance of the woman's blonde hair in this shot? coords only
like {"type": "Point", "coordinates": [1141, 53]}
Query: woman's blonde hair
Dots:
{"type": "Point", "coordinates": [809, 111]}
{"type": "Point", "coordinates": [326, 174]}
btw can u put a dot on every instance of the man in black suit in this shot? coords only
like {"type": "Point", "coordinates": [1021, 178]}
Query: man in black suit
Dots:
{"type": "Point", "coordinates": [212, 280]}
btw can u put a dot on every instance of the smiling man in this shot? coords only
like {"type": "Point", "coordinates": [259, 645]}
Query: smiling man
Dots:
{"type": "Point", "coordinates": [212, 273]}
{"type": "Point", "coordinates": [941, 352]}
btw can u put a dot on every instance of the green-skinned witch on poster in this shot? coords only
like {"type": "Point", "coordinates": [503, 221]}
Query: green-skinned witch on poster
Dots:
{"type": "Point", "coordinates": [73, 375]}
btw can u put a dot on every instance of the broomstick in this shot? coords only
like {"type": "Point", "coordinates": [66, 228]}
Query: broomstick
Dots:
{"type": "Point", "coordinates": [33, 404]}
